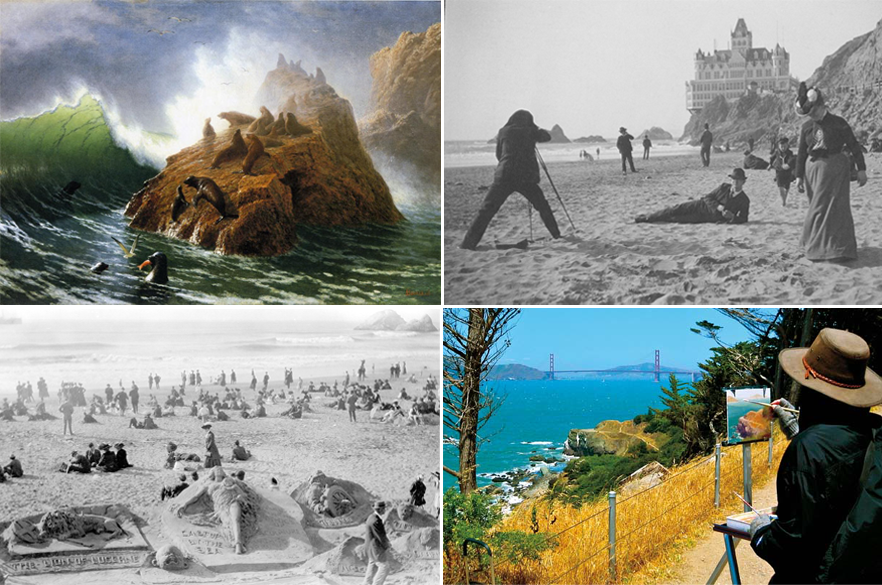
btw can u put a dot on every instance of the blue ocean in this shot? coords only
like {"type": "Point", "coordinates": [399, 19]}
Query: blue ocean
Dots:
{"type": "Point", "coordinates": [537, 415]}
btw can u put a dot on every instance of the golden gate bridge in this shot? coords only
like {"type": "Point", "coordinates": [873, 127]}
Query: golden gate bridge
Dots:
{"type": "Point", "coordinates": [656, 371]}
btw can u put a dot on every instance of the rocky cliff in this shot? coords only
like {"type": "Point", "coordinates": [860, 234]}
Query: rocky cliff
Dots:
{"type": "Point", "coordinates": [655, 133]}
{"type": "Point", "coordinates": [318, 174]}
{"type": "Point", "coordinates": [594, 138]}
{"type": "Point", "coordinates": [404, 125]}
{"type": "Point", "coordinates": [850, 78]}
{"type": "Point", "coordinates": [611, 437]}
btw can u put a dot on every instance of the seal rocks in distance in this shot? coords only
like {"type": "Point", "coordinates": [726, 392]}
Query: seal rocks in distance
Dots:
{"type": "Point", "coordinates": [236, 118]}
{"type": "Point", "coordinates": [235, 150]}
{"type": "Point", "coordinates": [255, 151]}
{"type": "Point", "coordinates": [159, 273]}
{"type": "Point", "coordinates": [207, 130]}
{"type": "Point", "coordinates": [208, 190]}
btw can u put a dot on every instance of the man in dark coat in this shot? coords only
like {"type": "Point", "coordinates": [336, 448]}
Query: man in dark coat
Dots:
{"type": "Point", "coordinates": [122, 458]}
{"type": "Point", "coordinates": [517, 171]}
{"type": "Point", "coordinates": [623, 143]}
{"type": "Point", "coordinates": [13, 468]}
{"type": "Point", "coordinates": [376, 546]}
{"type": "Point", "coordinates": [418, 492]}
{"type": "Point", "coordinates": [706, 140]}
{"type": "Point", "coordinates": [647, 144]}
{"type": "Point", "coordinates": [108, 459]}
{"type": "Point", "coordinates": [819, 476]}
{"type": "Point", "coordinates": [725, 204]}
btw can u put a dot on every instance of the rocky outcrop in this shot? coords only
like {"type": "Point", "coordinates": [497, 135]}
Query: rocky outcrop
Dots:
{"type": "Point", "coordinates": [404, 125]}
{"type": "Point", "coordinates": [423, 325]}
{"type": "Point", "coordinates": [387, 320]}
{"type": "Point", "coordinates": [594, 138]}
{"type": "Point", "coordinates": [558, 136]}
{"type": "Point", "coordinates": [611, 437]}
{"type": "Point", "coordinates": [849, 78]}
{"type": "Point", "coordinates": [324, 177]}
{"type": "Point", "coordinates": [656, 133]}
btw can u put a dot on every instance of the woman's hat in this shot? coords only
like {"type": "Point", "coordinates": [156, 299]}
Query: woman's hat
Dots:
{"type": "Point", "coordinates": [836, 366]}
{"type": "Point", "coordinates": [807, 99]}
{"type": "Point", "coordinates": [738, 174]}
{"type": "Point", "coordinates": [206, 426]}
{"type": "Point", "coordinates": [380, 505]}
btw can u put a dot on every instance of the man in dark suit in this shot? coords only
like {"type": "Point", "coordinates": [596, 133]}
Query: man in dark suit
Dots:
{"type": "Point", "coordinates": [706, 140]}
{"type": "Point", "coordinates": [624, 145]}
{"type": "Point", "coordinates": [725, 204]}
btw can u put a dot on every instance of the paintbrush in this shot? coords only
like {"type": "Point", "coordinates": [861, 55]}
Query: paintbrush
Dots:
{"type": "Point", "coordinates": [793, 410]}
{"type": "Point", "coordinates": [746, 503]}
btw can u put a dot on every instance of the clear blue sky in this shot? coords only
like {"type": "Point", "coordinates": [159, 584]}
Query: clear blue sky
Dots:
{"type": "Point", "coordinates": [604, 338]}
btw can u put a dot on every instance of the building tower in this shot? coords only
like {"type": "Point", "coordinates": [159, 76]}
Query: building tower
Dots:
{"type": "Point", "coordinates": [742, 39]}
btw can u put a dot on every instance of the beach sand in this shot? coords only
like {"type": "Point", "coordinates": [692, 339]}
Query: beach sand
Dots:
{"type": "Point", "coordinates": [612, 260]}
{"type": "Point", "coordinates": [383, 458]}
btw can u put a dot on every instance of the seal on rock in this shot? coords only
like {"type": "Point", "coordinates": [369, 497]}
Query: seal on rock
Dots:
{"type": "Point", "coordinates": [179, 205]}
{"type": "Point", "coordinates": [236, 118]}
{"type": "Point", "coordinates": [261, 125]}
{"type": "Point", "coordinates": [236, 149]}
{"type": "Point", "coordinates": [278, 127]}
{"type": "Point", "coordinates": [255, 151]}
{"type": "Point", "coordinates": [208, 190]}
{"type": "Point", "coordinates": [207, 130]}
{"type": "Point", "coordinates": [295, 128]}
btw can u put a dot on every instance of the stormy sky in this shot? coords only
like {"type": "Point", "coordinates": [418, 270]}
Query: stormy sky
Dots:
{"type": "Point", "coordinates": [156, 63]}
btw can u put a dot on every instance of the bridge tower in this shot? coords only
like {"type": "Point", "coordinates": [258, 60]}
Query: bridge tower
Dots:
{"type": "Point", "coordinates": [551, 365]}
{"type": "Point", "coordinates": [657, 366]}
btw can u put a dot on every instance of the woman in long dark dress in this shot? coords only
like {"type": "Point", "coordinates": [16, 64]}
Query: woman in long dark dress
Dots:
{"type": "Point", "coordinates": [824, 171]}
{"type": "Point", "coordinates": [212, 455]}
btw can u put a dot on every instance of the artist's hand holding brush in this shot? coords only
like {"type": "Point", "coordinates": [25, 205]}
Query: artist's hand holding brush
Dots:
{"type": "Point", "coordinates": [785, 413]}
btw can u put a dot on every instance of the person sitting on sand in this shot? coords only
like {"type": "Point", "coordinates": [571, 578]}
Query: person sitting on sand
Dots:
{"type": "Point", "coordinates": [108, 459]}
{"type": "Point", "coordinates": [122, 458]}
{"type": "Point", "coordinates": [88, 418]}
{"type": "Point", "coordinates": [13, 468]}
{"type": "Point", "coordinates": [93, 454]}
{"type": "Point", "coordinates": [78, 463]}
{"type": "Point", "coordinates": [171, 492]}
{"type": "Point", "coordinates": [222, 416]}
{"type": "Point", "coordinates": [403, 395]}
{"type": "Point", "coordinates": [260, 412]}
{"type": "Point", "coordinates": [725, 204]}
{"type": "Point", "coordinates": [240, 453]}
{"type": "Point", "coordinates": [518, 171]}
{"type": "Point", "coordinates": [418, 492]}
{"type": "Point", "coordinates": [751, 161]}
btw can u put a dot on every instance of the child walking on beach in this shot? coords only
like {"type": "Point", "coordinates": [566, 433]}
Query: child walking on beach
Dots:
{"type": "Point", "coordinates": [783, 160]}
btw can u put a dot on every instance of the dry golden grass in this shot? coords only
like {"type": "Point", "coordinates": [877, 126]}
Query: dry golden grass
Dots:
{"type": "Point", "coordinates": [652, 526]}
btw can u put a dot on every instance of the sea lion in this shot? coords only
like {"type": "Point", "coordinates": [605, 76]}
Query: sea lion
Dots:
{"type": "Point", "coordinates": [295, 128]}
{"type": "Point", "coordinates": [159, 262]}
{"type": "Point", "coordinates": [236, 118]}
{"type": "Point", "coordinates": [255, 151]}
{"type": "Point", "coordinates": [207, 130]}
{"type": "Point", "coordinates": [261, 125]}
{"type": "Point", "coordinates": [179, 205]}
{"type": "Point", "coordinates": [278, 127]}
{"type": "Point", "coordinates": [236, 149]}
{"type": "Point", "coordinates": [99, 268]}
{"type": "Point", "coordinates": [208, 190]}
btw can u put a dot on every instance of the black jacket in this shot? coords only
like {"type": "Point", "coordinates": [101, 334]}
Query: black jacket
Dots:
{"type": "Point", "coordinates": [516, 149]}
{"type": "Point", "coordinates": [818, 482]}
{"type": "Point", "coordinates": [853, 556]}
{"type": "Point", "coordinates": [623, 143]}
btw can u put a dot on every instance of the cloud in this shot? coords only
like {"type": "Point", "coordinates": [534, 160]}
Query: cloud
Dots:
{"type": "Point", "coordinates": [35, 26]}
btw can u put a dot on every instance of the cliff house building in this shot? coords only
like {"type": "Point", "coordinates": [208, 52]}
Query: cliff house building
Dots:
{"type": "Point", "coordinates": [738, 70]}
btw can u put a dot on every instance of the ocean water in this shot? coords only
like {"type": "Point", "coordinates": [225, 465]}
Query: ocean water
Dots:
{"type": "Point", "coordinates": [477, 153]}
{"type": "Point", "coordinates": [97, 353]}
{"type": "Point", "coordinates": [537, 415]}
{"type": "Point", "coordinates": [49, 241]}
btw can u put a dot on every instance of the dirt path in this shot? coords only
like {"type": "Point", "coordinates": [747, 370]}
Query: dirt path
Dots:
{"type": "Point", "coordinates": [697, 564]}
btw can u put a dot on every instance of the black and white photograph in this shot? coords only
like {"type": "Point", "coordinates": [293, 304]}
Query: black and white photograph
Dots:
{"type": "Point", "coordinates": [228, 444]}
{"type": "Point", "coordinates": [688, 152]}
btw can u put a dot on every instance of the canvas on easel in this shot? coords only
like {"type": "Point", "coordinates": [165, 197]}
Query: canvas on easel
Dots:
{"type": "Point", "coordinates": [748, 418]}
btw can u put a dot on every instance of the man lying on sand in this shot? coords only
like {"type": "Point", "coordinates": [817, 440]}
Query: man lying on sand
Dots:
{"type": "Point", "coordinates": [725, 204]}
{"type": "Point", "coordinates": [518, 171]}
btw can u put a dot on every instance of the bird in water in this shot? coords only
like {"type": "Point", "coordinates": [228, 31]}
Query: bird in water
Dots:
{"type": "Point", "coordinates": [127, 252]}
{"type": "Point", "coordinates": [159, 273]}
{"type": "Point", "coordinates": [99, 268]}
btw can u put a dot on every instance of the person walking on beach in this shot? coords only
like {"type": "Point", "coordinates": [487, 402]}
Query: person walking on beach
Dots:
{"type": "Point", "coordinates": [351, 404]}
{"type": "Point", "coordinates": [726, 204]}
{"type": "Point", "coordinates": [783, 161]}
{"type": "Point", "coordinates": [820, 472]}
{"type": "Point", "coordinates": [706, 140]}
{"type": "Point", "coordinates": [66, 409]}
{"type": "Point", "coordinates": [376, 545]}
{"type": "Point", "coordinates": [134, 397]}
{"type": "Point", "coordinates": [824, 171]}
{"type": "Point", "coordinates": [212, 455]}
{"type": "Point", "coordinates": [647, 144]}
{"type": "Point", "coordinates": [518, 171]}
{"type": "Point", "coordinates": [623, 143]}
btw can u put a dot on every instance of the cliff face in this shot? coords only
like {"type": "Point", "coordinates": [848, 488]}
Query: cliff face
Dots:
{"type": "Point", "coordinates": [323, 177]}
{"type": "Point", "coordinates": [846, 79]}
{"type": "Point", "coordinates": [611, 437]}
{"type": "Point", "coordinates": [405, 122]}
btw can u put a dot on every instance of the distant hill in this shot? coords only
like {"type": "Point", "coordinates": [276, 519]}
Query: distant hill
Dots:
{"type": "Point", "coordinates": [389, 320]}
{"type": "Point", "coordinates": [516, 372]}
{"type": "Point", "coordinates": [656, 133]}
{"type": "Point", "coordinates": [558, 136]}
{"type": "Point", "coordinates": [590, 139]}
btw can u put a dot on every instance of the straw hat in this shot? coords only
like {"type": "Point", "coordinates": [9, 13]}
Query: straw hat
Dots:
{"type": "Point", "coordinates": [835, 365]}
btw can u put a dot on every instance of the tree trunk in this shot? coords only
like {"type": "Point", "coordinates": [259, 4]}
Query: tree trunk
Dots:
{"type": "Point", "coordinates": [804, 341]}
{"type": "Point", "coordinates": [471, 399]}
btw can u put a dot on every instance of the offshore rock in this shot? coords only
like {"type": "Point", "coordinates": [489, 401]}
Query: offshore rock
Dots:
{"type": "Point", "coordinates": [321, 178]}
{"type": "Point", "coordinates": [404, 125]}
{"type": "Point", "coordinates": [558, 136]}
